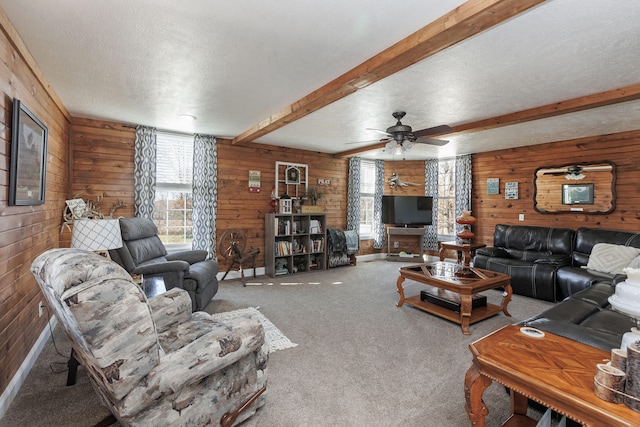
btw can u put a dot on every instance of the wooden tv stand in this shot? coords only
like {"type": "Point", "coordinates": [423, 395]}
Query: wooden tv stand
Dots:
{"type": "Point", "coordinates": [405, 239]}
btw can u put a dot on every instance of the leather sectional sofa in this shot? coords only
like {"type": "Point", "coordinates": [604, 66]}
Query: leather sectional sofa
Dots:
{"type": "Point", "coordinates": [546, 270]}
{"type": "Point", "coordinates": [550, 263]}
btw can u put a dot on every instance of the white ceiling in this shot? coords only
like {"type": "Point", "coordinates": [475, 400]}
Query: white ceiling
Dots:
{"type": "Point", "coordinates": [234, 64]}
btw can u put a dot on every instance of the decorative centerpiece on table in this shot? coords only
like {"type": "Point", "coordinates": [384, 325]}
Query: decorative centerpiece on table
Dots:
{"type": "Point", "coordinates": [466, 220]}
{"type": "Point", "coordinates": [626, 300]}
{"type": "Point", "coordinates": [619, 380]}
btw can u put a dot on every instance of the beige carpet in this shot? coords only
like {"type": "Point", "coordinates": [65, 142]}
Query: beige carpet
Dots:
{"type": "Point", "coordinates": [360, 360]}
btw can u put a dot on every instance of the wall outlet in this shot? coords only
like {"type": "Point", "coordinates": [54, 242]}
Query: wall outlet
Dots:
{"type": "Point", "coordinates": [40, 308]}
{"type": "Point", "coordinates": [396, 245]}
{"type": "Point", "coordinates": [521, 217]}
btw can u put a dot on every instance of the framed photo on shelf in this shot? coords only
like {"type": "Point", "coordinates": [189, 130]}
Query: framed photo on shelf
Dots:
{"type": "Point", "coordinates": [28, 157]}
{"type": "Point", "coordinates": [577, 194]}
{"type": "Point", "coordinates": [292, 175]}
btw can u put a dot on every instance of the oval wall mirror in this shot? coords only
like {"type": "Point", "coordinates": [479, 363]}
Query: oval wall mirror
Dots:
{"type": "Point", "coordinates": [575, 188]}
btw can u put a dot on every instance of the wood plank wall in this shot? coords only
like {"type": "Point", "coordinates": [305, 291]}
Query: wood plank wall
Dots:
{"type": "Point", "coordinates": [519, 165]}
{"type": "Point", "coordinates": [101, 166]}
{"type": "Point", "coordinates": [240, 209]}
{"type": "Point", "coordinates": [26, 231]}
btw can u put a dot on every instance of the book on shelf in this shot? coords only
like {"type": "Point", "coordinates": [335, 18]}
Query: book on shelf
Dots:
{"type": "Point", "coordinates": [315, 226]}
{"type": "Point", "coordinates": [317, 245]}
{"type": "Point", "coordinates": [282, 248]}
{"type": "Point", "coordinates": [283, 226]}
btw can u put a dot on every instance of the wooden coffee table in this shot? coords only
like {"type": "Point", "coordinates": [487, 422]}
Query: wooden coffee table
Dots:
{"type": "Point", "coordinates": [552, 370]}
{"type": "Point", "coordinates": [461, 281]}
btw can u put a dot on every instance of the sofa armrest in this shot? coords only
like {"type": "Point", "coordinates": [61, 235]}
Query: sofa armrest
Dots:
{"type": "Point", "coordinates": [170, 308]}
{"type": "Point", "coordinates": [226, 344]}
{"type": "Point", "coordinates": [554, 259]}
{"type": "Point", "coordinates": [189, 256]}
{"type": "Point", "coordinates": [156, 268]}
{"type": "Point", "coordinates": [493, 252]}
{"type": "Point", "coordinates": [618, 278]}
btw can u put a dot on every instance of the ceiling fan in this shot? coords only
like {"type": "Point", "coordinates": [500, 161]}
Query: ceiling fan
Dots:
{"type": "Point", "coordinates": [574, 172]}
{"type": "Point", "coordinates": [400, 138]}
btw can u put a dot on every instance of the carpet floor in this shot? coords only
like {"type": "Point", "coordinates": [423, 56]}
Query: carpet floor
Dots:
{"type": "Point", "coordinates": [359, 359]}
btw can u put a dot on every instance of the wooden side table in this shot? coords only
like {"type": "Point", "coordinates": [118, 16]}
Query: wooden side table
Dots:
{"type": "Point", "coordinates": [552, 370]}
{"type": "Point", "coordinates": [464, 251]}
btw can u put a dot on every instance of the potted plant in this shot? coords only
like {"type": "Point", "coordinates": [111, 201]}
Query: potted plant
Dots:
{"type": "Point", "coordinates": [314, 194]}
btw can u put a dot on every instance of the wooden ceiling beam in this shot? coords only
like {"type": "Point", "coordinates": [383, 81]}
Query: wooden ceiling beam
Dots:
{"type": "Point", "coordinates": [601, 99]}
{"type": "Point", "coordinates": [461, 23]}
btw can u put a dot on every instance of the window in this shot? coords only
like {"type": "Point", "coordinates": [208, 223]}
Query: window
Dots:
{"type": "Point", "coordinates": [173, 202]}
{"type": "Point", "coordinates": [367, 193]}
{"type": "Point", "coordinates": [447, 199]}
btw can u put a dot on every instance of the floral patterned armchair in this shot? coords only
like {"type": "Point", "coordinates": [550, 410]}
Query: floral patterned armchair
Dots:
{"type": "Point", "coordinates": [153, 362]}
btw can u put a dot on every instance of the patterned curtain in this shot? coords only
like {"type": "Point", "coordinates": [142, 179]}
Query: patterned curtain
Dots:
{"type": "Point", "coordinates": [205, 193]}
{"type": "Point", "coordinates": [431, 189]}
{"type": "Point", "coordinates": [378, 226]}
{"type": "Point", "coordinates": [463, 185]}
{"type": "Point", "coordinates": [353, 194]}
{"type": "Point", "coordinates": [144, 171]}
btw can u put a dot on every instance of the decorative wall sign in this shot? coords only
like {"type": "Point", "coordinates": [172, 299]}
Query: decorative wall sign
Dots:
{"type": "Point", "coordinates": [493, 186]}
{"type": "Point", "coordinates": [254, 181]}
{"type": "Point", "coordinates": [324, 181]}
{"type": "Point", "coordinates": [510, 190]}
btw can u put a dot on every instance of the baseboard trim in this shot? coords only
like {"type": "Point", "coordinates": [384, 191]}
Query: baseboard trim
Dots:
{"type": "Point", "coordinates": [18, 379]}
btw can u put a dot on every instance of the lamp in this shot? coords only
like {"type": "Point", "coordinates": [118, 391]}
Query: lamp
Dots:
{"type": "Point", "coordinates": [574, 173]}
{"type": "Point", "coordinates": [98, 235]}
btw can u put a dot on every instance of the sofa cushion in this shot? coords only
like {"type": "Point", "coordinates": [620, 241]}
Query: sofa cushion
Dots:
{"type": "Point", "coordinates": [534, 239]}
{"type": "Point", "coordinates": [611, 259]}
{"type": "Point", "coordinates": [586, 238]}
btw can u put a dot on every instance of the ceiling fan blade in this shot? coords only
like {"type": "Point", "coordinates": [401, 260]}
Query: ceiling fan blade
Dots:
{"type": "Point", "coordinates": [438, 142]}
{"type": "Point", "coordinates": [368, 142]}
{"type": "Point", "coordinates": [384, 132]}
{"type": "Point", "coordinates": [596, 168]}
{"type": "Point", "coordinates": [433, 131]}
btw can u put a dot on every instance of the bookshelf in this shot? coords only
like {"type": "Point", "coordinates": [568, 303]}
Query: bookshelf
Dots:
{"type": "Point", "coordinates": [294, 243]}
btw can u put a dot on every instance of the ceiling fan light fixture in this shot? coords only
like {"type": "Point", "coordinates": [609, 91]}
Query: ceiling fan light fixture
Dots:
{"type": "Point", "coordinates": [390, 146]}
{"type": "Point", "coordinates": [407, 145]}
{"type": "Point", "coordinates": [398, 150]}
{"type": "Point", "coordinates": [575, 176]}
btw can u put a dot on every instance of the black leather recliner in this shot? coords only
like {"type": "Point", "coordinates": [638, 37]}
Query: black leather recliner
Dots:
{"type": "Point", "coordinates": [143, 253]}
{"type": "Point", "coordinates": [574, 278]}
{"type": "Point", "coordinates": [530, 255]}
{"type": "Point", "coordinates": [586, 317]}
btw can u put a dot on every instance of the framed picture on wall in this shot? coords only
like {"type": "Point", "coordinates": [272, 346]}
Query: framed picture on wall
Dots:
{"type": "Point", "coordinates": [28, 157]}
{"type": "Point", "coordinates": [292, 175]}
{"type": "Point", "coordinates": [577, 194]}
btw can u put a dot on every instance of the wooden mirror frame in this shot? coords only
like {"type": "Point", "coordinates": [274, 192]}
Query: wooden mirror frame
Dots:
{"type": "Point", "coordinates": [548, 181]}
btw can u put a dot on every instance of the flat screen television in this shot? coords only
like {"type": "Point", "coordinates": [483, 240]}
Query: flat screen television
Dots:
{"type": "Point", "coordinates": [407, 210]}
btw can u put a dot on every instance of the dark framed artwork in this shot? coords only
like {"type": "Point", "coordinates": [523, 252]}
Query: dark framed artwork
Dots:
{"type": "Point", "coordinates": [292, 175]}
{"type": "Point", "coordinates": [577, 194]}
{"type": "Point", "coordinates": [28, 157]}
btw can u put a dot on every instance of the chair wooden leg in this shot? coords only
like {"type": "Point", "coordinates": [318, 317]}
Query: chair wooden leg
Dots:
{"type": "Point", "coordinates": [229, 418]}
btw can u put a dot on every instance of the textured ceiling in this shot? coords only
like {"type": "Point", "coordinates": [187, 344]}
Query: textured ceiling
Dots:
{"type": "Point", "coordinates": [234, 64]}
